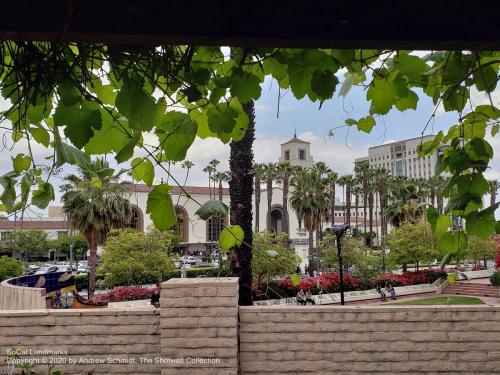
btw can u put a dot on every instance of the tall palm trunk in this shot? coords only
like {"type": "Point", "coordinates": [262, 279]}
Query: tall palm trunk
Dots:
{"type": "Point", "coordinates": [269, 184]}
{"type": "Point", "coordinates": [92, 259]}
{"type": "Point", "coordinates": [344, 206]}
{"type": "Point", "coordinates": [285, 203]}
{"type": "Point", "coordinates": [220, 190]}
{"type": "Point", "coordinates": [240, 191]}
{"type": "Point", "coordinates": [370, 213]}
{"type": "Point", "coordinates": [333, 203]}
{"type": "Point", "coordinates": [348, 202]}
{"type": "Point", "coordinates": [257, 202]}
{"type": "Point", "coordinates": [311, 249]}
{"type": "Point", "coordinates": [365, 198]}
{"type": "Point", "coordinates": [356, 203]}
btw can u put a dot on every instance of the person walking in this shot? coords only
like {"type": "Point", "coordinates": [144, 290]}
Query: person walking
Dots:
{"type": "Point", "coordinates": [381, 292]}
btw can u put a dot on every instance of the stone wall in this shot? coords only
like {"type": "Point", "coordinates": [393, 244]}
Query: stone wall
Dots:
{"type": "Point", "coordinates": [100, 334]}
{"type": "Point", "coordinates": [198, 331]}
{"type": "Point", "coordinates": [199, 319]}
{"type": "Point", "coordinates": [388, 340]}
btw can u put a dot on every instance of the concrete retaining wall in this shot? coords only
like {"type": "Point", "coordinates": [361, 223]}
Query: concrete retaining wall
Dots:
{"type": "Point", "coordinates": [93, 334]}
{"type": "Point", "coordinates": [14, 297]}
{"type": "Point", "coordinates": [388, 340]}
{"type": "Point", "coordinates": [201, 330]}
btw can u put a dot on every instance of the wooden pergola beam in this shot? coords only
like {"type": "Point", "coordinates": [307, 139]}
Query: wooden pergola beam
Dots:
{"type": "Point", "coordinates": [377, 24]}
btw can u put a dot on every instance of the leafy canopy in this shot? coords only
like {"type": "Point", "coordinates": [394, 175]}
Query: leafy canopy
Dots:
{"type": "Point", "coordinates": [92, 99]}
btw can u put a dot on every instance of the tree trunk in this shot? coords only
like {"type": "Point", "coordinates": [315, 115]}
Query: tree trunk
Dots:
{"type": "Point", "coordinates": [220, 191]}
{"type": "Point", "coordinates": [92, 266]}
{"type": "Point", "coordinates": [356, 203]}
{"type": "Point", "coordinates": [257, 203]}
{"type": "Point", "coordinates": [269, 203]}
{"type": "Point", "coordinates": [364, 211]}
{"type": "Point", "coordinates": [370, 213]}
{"type": "Point", "coordinates": [333, 204]}
{"type": "Point", "coordinates": [285, 205]}
{"type": "Point", "coordinates": [240, 191]}
{"type": "Point", "coordinates": [348, 203]}
{"type": "Point", "coordinates": [311, 233]}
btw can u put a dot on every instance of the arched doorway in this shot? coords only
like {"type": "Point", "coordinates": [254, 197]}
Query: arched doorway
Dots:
{"type": "Point", "coordinates": [136, 219]}
{"type": "Point", "coordinates": [181, 228]}
{"type": "Point", "coordinates": [277, 219]}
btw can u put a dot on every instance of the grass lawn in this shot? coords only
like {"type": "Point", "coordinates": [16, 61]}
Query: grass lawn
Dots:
{"type": "Point", "coordinates": [454, 300]}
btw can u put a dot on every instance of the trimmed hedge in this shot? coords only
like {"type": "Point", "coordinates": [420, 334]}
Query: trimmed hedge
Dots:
{"type": "Point", "coordinates": [81, 279]}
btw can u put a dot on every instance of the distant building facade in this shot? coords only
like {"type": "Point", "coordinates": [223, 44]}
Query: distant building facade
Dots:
{"type": "Point", "coordinates": [401, 158]}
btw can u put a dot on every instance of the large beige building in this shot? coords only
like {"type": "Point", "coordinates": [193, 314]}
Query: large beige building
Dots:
{"type": "Point", "coordinates": [401, 158]}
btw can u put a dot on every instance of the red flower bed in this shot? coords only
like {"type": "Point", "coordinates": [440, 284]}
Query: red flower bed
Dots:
{"type": "Point", "coordinates": [124, 293]}
{"type": "Point", "coordinates": [497, 258]}
{"type": "Point", "coordinates": [408, 278]}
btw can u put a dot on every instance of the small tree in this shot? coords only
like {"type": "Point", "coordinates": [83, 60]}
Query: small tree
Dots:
{"type": "Point", "coordinates": [79, 243]}
{"type": "Point", "coordinates": [412, 243]}
{"type": "Point", "coordinates": [479, 249]}
{"type": "Point", "coordinates": [135, 258]}
{"type": "Point", "coordinates": [272, 257]}
{"type": "Point", "coordinates": [28, 243]}
{"type": "Point", "coordinates": [355, 254]}
{"type": "Point", "coordinates": [10, 267]}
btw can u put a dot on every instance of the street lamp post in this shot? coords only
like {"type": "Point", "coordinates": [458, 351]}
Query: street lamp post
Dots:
{"type": "Point", "coordinates": [339, 231]}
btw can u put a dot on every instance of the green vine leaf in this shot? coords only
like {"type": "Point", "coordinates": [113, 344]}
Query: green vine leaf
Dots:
{"type": "Point", "coordinates": [21, 162]}
{"type": "Point", "coordinates": [176, 133]}
{"type": "Point", "coordinates": [231, 236]}
{"type": "Point", "coordinates": [160, 207]}
{"type": "Point", "coordinates": [212, 207]}
{"type": "Point", "coordinates": [143, 170]}
{"type": "Point", "coordinates": [43, 195]}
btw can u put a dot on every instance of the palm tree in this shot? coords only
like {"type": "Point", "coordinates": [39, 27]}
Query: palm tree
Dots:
{"type": "Point", "coordinates": [356, 190]}
{"type": "Point", "coordinates": [311, 201]}
{"type": "Point", "coordinates": [94, 204]}
{"type": "Point", "coordinates": [332, 178]}
{"type": "Point", "coordinates": [403, 207]}
{"type": "Point", "coordinates": [363, 173]}
{"type": "Point", "coordinates": [381, 181]}
{"type": "Point", "coordinates": [494, 186]}
{"type": "Point", "coordinates": [241, 191]}
{"type": "Point", "coordinates": [348, 181]}
{"type": "Point", "coordinates": [270, 176]}
{"type": "Point", "coordinates": [186, 164]}
{"type": "Point", "coordinates": [283, 173]}
{"type": "Point", "coordinates": [258, 171]}
{"type": "Point", "coordinates": [219, 178]}
{"type": "Point", "coordinates": [341, 181]}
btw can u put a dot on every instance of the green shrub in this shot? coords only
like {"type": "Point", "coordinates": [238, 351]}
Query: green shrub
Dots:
{"type": "Point", "coordinates": [495, 279]}
{"type": "Point", "coordinates": [135, 258]}
{"type": "Point", "coordinates": [452, 278]}
{"type": "Point", "coordinates": [10, 267]}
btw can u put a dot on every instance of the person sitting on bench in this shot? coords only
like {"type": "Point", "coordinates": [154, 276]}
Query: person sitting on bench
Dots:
{"type": "Point", "coordinates": [301, 297]}
{"type": "Point", "coordinates": [390, 289]}
{"type": "Point", "coordinates": [309, 298]}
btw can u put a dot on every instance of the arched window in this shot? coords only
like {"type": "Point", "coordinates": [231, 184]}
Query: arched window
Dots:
{"type": "Point", "coordinates": [136, 219]}
{"type": "Point", "coordinates": [214, 227]}
{"type": "Point", "coordinates": [182, 225]}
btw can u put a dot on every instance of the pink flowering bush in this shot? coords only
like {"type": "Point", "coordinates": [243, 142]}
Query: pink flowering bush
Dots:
{"type": "Point", "coordinates": [124, 293]}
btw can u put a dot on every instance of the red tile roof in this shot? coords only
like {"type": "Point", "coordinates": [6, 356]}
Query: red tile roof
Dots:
{"type": "Point", "coordinates": [295, 140]}
{"type": "Point", "coordinates": [141, 188]}
{"type": "Point", "coordinates": [35, 224]}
